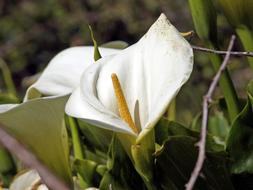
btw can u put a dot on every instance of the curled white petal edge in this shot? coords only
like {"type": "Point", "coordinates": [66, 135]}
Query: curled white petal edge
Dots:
{"type": "Point", "coordinates": [84, 99]}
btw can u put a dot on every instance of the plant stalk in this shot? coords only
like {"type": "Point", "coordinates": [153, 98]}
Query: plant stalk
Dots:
{"type": "Point", "coordinates": [226, 85]}
{"type": "Point", "coordinates": [246, 37]}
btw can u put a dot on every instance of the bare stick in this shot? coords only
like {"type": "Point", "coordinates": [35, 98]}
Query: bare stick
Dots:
{"type": "Point", "coordinates": [30, 160]}
{"type": "Point", "coordinates": [234, 53]}
{"type": "Point", "coordinates": [206, 99]}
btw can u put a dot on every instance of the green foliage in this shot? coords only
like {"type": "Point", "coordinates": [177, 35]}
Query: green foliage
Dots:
{"type": "Point", "coordinates": [240, 140]}
{"type": "Point", "coordinates": [121, 174]}
{"type": "Point", "coordinates": [97, 54]}
{"type": "Point", "coordinates": [239, 14]}
{"type": "Point", "coordinates": [205, 22]}
{"type": "Point", "coordinates": [176, 160]}
{"type": "Point", "coordinates": [204, 18]}
{"type": "Point", "coordinates": [99, 158]}
{"type": "Point", "coordinates": [86, 170]}
{"type": "Point", "coordinates": [39, 124]}
{"type": "Point", "coordinates": [95, 138]}
{"type": "Point", "coordinates": [7, 167]}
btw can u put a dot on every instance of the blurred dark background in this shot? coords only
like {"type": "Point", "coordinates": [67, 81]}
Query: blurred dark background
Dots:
{"type": "Point", "coordinates": [32, 32]}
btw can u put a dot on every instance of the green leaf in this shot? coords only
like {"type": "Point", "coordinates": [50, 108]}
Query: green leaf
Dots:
{"type": "Point", "coordinates": [97, 54]}
{"type": "Point", "coordinates": [121, 174]}
{"type": "Point", "coordinates": [240, 140]}
{"type": "Point", "coordinates": [8, 98]}
{"type": "Point", "coordinates": [6, 73]}
{"type": "Point", "coordinates": [87, 170]}
{"type": "Point", "coordinates": [95, 137]}
{"type": "Point", "coordinates": [176, 160]}
{"type": "Point", "coordinates": [116, 44]}
{"type": "Point", "coordinates": [246, 36]}
{"type": "Point", "coordinates": [204, 18]}
{"type": "Point", "coordinates": [7, 167]}
{"type": "Point", "coordinates": [237, 11]}
{"type": "Point", "coordinates": [240, 16]}
{"type": "Point", "coordinates": [166, 129]}
{"type": "Point", "coordinates": [39, 124]}
{"type": "Point", "coordinates": [218, 126]}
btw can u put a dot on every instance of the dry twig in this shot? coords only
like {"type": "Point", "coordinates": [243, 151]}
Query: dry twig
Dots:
{"type": "Point", "coordinates": [30, 160]}
{"type": "Point", "coordinates": [206, 99]}
{"type": "Point", "coordinates": [234, 53]}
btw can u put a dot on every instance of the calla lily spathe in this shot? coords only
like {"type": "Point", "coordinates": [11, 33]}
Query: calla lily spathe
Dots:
{"type": "Point", "coordinates": [151, 73]}
{"type": "Point", "coordinates": [38, 122]}
{"type": "Point", "coordinates": [64, 71]}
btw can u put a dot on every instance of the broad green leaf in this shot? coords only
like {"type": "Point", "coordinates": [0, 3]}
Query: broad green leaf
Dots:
{"type": "Point", "coordinates": [94, 137]}
{"type": "Point", "coordinates": [166, 129]}
{"type": "Point", "coordinates": [121, 174]}
{"type": "Point", "coordinates": [116, 44]}
{"type": "Point", "coordinates": [176, 160]}
{"type": "Point", "coordinates": [204, 18]}
{"type": "Point", "coordinates": [240, 140]}
{"type": "Point", "coordinates": [39, 124]}
{"type": "Point", "coordinates": [218, 126]}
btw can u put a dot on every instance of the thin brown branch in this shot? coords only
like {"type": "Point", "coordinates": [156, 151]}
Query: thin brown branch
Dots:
{"type": "Point", "coordinates": [30, 160]}
{"type": "Point", "coordinates": [206, 99]}
{"type": "Point", "coordinates": [234, 53]}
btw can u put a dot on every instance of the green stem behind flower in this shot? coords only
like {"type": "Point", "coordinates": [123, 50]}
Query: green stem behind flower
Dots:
{"type": "Point", "coordinates": [78, 152]}
{"type": "Point", "coordinates": [77, 148]}
{"type": "Point", "coordinates": [8, 78]}
{"type": "Point", "coordinates": [205, 22]}
{"type": "Point", "coordinates": [226, 85]}
{"type": "Point", "coordinates": [171, 112]}
{"type": "Point", "coordinates": [246, 37]}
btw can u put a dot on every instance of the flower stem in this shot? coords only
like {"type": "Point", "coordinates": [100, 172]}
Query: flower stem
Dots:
{"type": "Point", "coordinates": [246, 37]}
{"type": "Point", "coordinates": [77, 148]}
{"type": "Point", "coordinates": [226, 85]}
{"type": "Point", "coordinates": [8, 78]}
{"type": "Point", "coordinates": [171, 112]}
{"type": "Point", "coordinates": [78, 153]}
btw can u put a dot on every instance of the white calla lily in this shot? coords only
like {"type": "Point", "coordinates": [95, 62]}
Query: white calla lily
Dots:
{"type": "Point", "coordinates": [63, 73]}
{"type": "Point", "coordinates": [151, 72]}
{"type": "Point", "coordinates": [28, 181]}
{"type": "Point", "coordinates": [41, 115]}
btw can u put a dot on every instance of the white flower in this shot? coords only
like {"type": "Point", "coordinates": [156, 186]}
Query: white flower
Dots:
{"type": "Point", "coordinates": [151, 72]}
{"type": "Point", "coordinates": [38, 122]}
{"type": "Point", "coordinates": [29, 180]}
{"type": "Point", "coordinates": [63, 73]}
